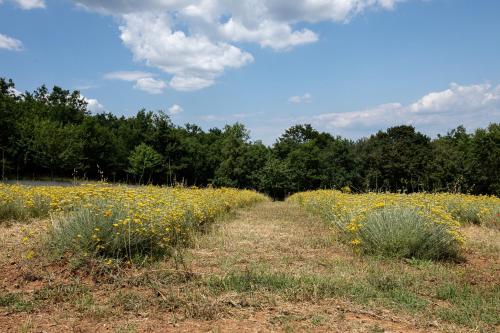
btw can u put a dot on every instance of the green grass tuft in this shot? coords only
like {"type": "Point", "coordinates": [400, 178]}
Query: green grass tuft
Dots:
{"type": "Point", "coordinates": [87, 231]}
{"type": "Point", "coordinates": [401, 232]}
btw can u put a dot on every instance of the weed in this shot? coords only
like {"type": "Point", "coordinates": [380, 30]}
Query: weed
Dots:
{"type": "Point", "coordinates": [318, 320]}
{"type": "Point", "coordinates": [129, 301]}
{"type": "Point", "coordinates": [60, 293]}
{"type": "Point", "coordinates": [16, 303]}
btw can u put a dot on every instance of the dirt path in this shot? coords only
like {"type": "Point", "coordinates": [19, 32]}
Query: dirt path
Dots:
{"type": "Point", "coordinates": [272, 235]}
{"type": "Point", "coordinates": [276, 238]}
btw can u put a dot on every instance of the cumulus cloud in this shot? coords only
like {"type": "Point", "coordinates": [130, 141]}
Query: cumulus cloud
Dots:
{"type": "Point", "coordinates": [127, 75]}
{"type": "Point", "coordinates": [143, 80]}
{"type": "Point", "coordinates": [324, 10]}
{"type": "Point", "coordinates": [175, 109]}
{"type": "Point", "coordinates": [94, 106]}
{"type": "Point", "coordinates": [30, 4]}
{"type": "Point", "coordinates": [470, 105]}
{"type": "Point", "coordinates": [9, 43]}
{"type": "Point", "coordinates": [276, 35]}
{"type": "Point", "coordinates": [458, 99]}
{"type": "Point", "coordinates": [306, 98]}
{"type": "Point", "coordinates": [15, 92]}
{"type": "Point", "coordinates": [86, 86]}
{"type": "Point", "coordinates": [194, 61]}
{"type": "Point", "coordinates": [150, 85]}
{"type": "Point", "coordinates": [196, 41]}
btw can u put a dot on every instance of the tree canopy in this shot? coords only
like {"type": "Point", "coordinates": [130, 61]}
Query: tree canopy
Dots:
{"type": "Point", "coordinates": [51, 133]}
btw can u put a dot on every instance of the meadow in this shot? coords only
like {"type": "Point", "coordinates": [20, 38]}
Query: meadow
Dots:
{"type": "Point", "coordinates": [99, 257]}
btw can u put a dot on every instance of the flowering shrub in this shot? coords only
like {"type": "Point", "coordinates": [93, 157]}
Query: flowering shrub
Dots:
{"type": "Point", "coordinates": [416, 225]}
{"type": "Point", "coordinates": [21, 203]}
{"type": "Point", "coordinates": [404, 231]}
{"type": "Point", "coordinates": [120, 221]}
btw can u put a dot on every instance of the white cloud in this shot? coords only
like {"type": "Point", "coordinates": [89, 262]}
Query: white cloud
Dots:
{"type": "Point", "coordinates": [325, 10]}
{"type": "Point", "coordinates": [129, 6]}
{"type": "Point", "coordinates": [15, 92]}
{"type": "Point", "coordinates": [458, 98]}
{"type": "Point", "coordinates": [175, 109]}
{"type": "Point", "coordinates": [190, 83]}
{"type": "Point", "coordinates": [471, 105]}
{"type": "Point", "coordinates": [247, 11]}
{"type": "Point", "coordinates": [30, 4]}
{"type": "Point", "coordinates": [127, 75]}
{"type": "Point", "coordinates": [194, 61]}
{"type": "Point", "coordinates": [306, 98]}
{"type": "Point", "coordinates": [143, 80]}
{"type": "Point", "coordinates": [194, 40]}
{"type": "Point", "coordinates": [86, 86]}
{"type": "Point", "coordinates": [93, 105]}
{"type": "Point", "coordinates": [9, 43]}
{"type": "Point", "coordinates": [276, 35]}
{"type": "Point", "coordinates": [150, 85]}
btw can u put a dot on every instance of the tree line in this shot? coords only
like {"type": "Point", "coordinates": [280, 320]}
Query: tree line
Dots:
{"type": "Point", "coordinates": [52, 134]}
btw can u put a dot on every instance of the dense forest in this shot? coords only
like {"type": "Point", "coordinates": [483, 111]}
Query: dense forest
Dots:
{"type": "Point", "coordinates": [52, 134]}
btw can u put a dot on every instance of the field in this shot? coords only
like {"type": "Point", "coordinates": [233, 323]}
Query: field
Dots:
{"type": "Point", "coordinates": [133, 259]}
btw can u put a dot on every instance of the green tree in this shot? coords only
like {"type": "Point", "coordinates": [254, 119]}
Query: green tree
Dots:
{"type": "Point", "coordinates": [233, 148]}
{"type": "Point", "coordinates": [275, 178]}
{"type": "Point", "coordinates": [52, 131]}
{"type": "Point", "coordinates": [8, 122]}
{"type": "Point", "coordinates": [339, 165]}
{"type": "Point", "coordinates": [451, 165]}
{"type": "Point", "coordinates": [396, 159]}
{"type": "Point", "coordinates": [486, 160]}
{"type": "Point", "coordinates": [144, 161]}
{"type": "Point", "coordinates": [66, 107]}
{"type": "Point", "coordinates": [103, 147]}
{"type": "Point", "coordinates": [57, 147]}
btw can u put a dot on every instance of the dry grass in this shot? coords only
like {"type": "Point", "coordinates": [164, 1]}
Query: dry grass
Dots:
{"type": "Point", "coordinates": [483, 241]}
{"type": "Point", "coordinates": [274, 234]}
{"type": "Point", "coordinates": [269, 268]}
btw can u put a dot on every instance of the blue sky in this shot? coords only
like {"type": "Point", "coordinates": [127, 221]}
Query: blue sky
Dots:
{"type": "Point", "coordinates": [349, 67]}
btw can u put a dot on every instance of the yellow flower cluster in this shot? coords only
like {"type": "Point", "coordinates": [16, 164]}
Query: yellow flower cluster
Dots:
{"type": "Point", "coordinates": [155, 214]}
{"type": "Point", "coordinates": [349, 211]}
{"type": "Point", "coordinates": [204, 203]}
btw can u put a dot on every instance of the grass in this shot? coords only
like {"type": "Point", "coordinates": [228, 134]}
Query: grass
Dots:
{"type": "Point", "coordinates": [272, 265]}
{"type": "Point", "coordinates": [468, 306]}
{"type": "Point", "coordinates": [61, 293]}
{"type": "Point", "coordinates": [385, 289]}
{"type": "Point", "coordinates": [14, 302]}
